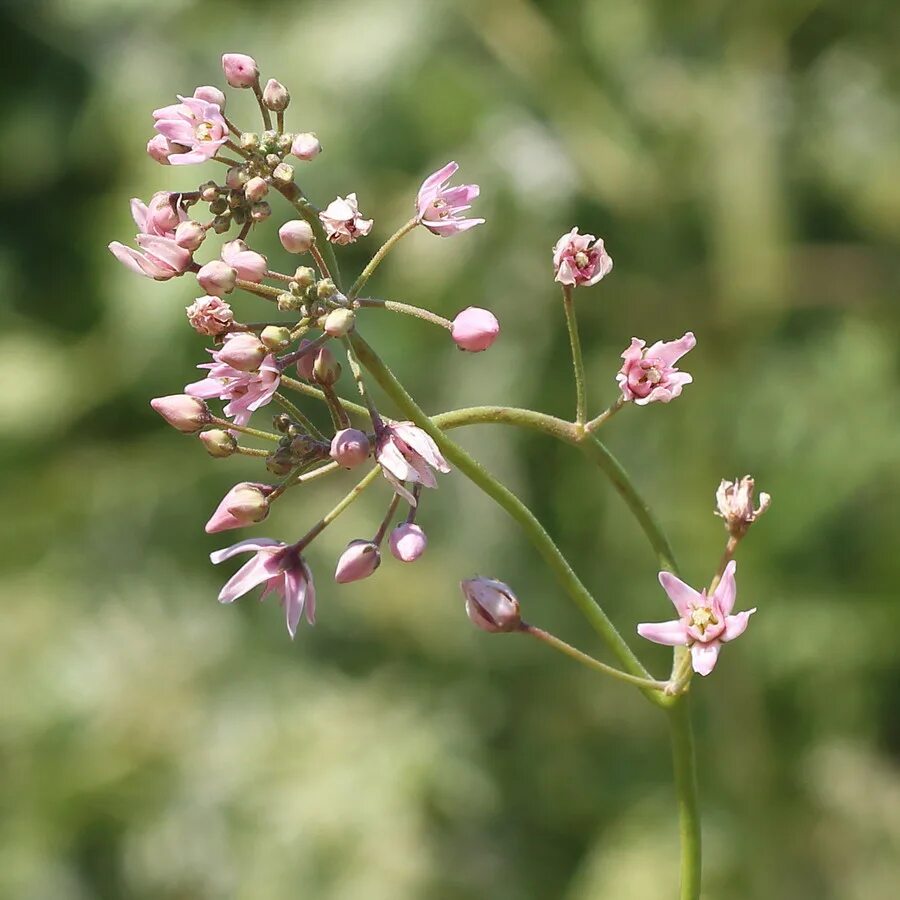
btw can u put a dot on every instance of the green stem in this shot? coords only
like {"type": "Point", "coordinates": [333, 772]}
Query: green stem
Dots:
{"type": "Point", "coordinates": [383, 251]}
{"type": "Point", "coordinates": [686, 790]}
{"type": "Point", "coordinates": [577, 361]}
{"type": "Point", "coordinates": [301, 387]}
{"type": "Point", "coordinates": [292, 193]}
{"type": "Point", "coordinates": [298, 415]}
{"type": "Point", "coordinates": [408, 310]}
{"type": "Point", "coordinates": [605, 416]}
{"type": "Point", "coordinates": [326, 520]}
{"type": "Point", "coordinates": [243, 429]}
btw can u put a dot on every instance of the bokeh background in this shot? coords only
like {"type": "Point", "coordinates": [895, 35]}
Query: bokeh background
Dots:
{"type": "Point", "coordinates": [741, 161]}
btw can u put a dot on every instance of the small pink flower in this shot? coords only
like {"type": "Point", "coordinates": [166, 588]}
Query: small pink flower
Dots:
{"type": "Point", "coordinates": [159, 258]}
{"type": "Point", "coordinates": [157, 217]}
{"type": "Point", "coordinates": [245, 392]}
{"type": "Point", "coordinates": [249, 265]}
{"type": "Point", "coordinates": [579, 260]}
{"type": "Point", "coordinates": [704, 623]}
{"type": "Point", "coordinates": [650, 375]}
{"type": "Point", "coordinates": [196, 124]}
{"type": "Point", "coordinates": [245, 504]}
{"type": "Point", "coordinates": [407, 542]}
{"type": "Point", "coordinates": [240, 70]}
{"type": "Point", "coordinates": [210, 315]}
{"type": "Point", "coordinates": [358, 561]}
{"type": "Point", "coordinates": [407, 453]}
{"type": "Point", "coordinates": [282, 569]}
{"type": "Point", "coordinates": [475, 329]}
{"type": "Point", "coordinates": [343, 222]}
{"type": "Point", "coordinates": [439, 206]}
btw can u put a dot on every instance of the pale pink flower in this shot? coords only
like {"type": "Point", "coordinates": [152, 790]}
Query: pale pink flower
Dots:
{"type": "Point", "coordinates": [283, 571]}
{"type": "Point", "coordinates": [244, 504]}
{"type": "Point", "coordinates": [296, 236]}
{"type": "Point", "coordinates": [358, 561]}
{"type": "Point", "coordinates": [211, 95]}
{"type": "Point", "coordinates": [210, 315]}
{"type": "Point", "coordinates": [491, 605]}
{"type": "Point", "coordinates": [407, 453]}
{"type": "Point", "coordinates": [704, 623]}
{"type": "Point", "coordinates": [243, 351]}
{"type": "Point", "coordinates": [245, 392]}
{"type": "Point", "coordinates": [475, 329]}
{"type": "Point", "coordinates": [650, 375]}
{"type": "Point", "coordinates": [407, 542]}
{"type": "Point", "coordinates": [194, 123]}
{"type": "Point", "coordinates": [241, 71]}
{"type": "Point", "coordinates": [579, 260]}
{"type": "Point", "coordinates": [159, 216]}
{"type": "Point", "coordinates": [217, 277]}
{"type": "Point", "coordinates": [249, 265]}
{"type": "Point", "coordinates": [343, 222]}
{"type": "Point", "coordinates": [439, 206]}
{"type": "Point", "coordinates": [159, 258]}
{"type": "Point", "coordinates": [190, 235]}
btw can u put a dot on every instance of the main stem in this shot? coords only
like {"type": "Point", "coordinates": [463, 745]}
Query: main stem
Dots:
{"type": "Point", "coordinates": [682, 736]}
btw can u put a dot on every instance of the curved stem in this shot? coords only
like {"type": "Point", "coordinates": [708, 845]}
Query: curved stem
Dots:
{"type": "Point", "coordinates": [577, 361]}
{"type": "Point", "coordinates": [605, 416]}
{"type": "Point", "coordinates": [382, 252]}
{"type": "Point", "coordinates": [682, 734]}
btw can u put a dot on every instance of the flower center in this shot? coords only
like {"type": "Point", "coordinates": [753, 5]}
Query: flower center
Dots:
{"type": "Point", "coordinates": [204, 131]}
{"type": "Point", "coordinates": [702, 617]}
{"type": "Point", "coordinates": [582, 260]}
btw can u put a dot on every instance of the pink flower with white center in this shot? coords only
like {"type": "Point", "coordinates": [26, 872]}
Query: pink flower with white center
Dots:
{"type": "Point", "coordinates": [343, 222]}
{"type": "Point", "coordinates": [159, 258]}
{"type": "Point", "coordinates": [282, 570]}
{"type": "Point", "coordinates": [245, 392]}
{"type": "Point", "coordinates": [407, 453]}
{"type": "Point", "coordinates": [439, 206]}
{"type": "Point", "coordinates": [580, 260]}
{"type": "Point", "coordinates": [249, 265]}
{"type": "Point", "coordinates": [650, 375]}
{"type": "Point", "coordinates": [704, 623]}
{"type": "Point", "coordinates": [210, 315]}
{"type": "Point", "coordinates": [194, 123]}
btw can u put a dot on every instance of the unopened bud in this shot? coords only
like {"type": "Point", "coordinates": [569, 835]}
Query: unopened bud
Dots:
{"type": "Point", "coordinates": [211, 95]}
{"type": "Point", "coordinates": [734, 500]}
{"type": "Point", "coordinates": [326, 289]}
{"type": "Point", "coordinates": [339, 322]}
{"type": "Point", "coordinates": [208, 191]}
{"type": "Point", "coordinates": [407, 542]}
{"type": "Point", "coordinates": [272, 159]}
{"type": "Point", "coordinates": [296, 236]}
{"type": "Point", "coordinates": [159, 148]}
{"type": "Point", "coordinates": [280, 461]}
{"type": "Point", "coordinates": [475, 329]}
{"type": "Point", "coordinates": [284, 142]}
{"type": "Point", "coordinates": [306, 362]}
{"type": "Point", "coordinates": [358, 561]}
{"type": "Point", "coordinates": [245, 504]}
{"type": "Point", "coordinates": [275, 337]}
{"type": "Point", "coordinates": [249, 140]}
{"type": "Point", "coordinates": [261, 211]}
{"type": "Point", "coordinates": [217, 278]}
{"type": "Point", "coordinates": [350, 447]}
{"type": "Point", "coordinates": [189, 234]}
{"type": "Point", "coordinates": [287, 302]}
{"type": "Point", "coordinates": [240, 70]}
{"type": "Point", "coordinates": [276, 96]}
{"type": "Point", "coordinates": [491, 605]}
{"type": "Point", "coordinates": [283, 173]}
{"type": "Point", "coordinates": [218, 206]}
{"type": "Point", "coordinates": [305, 276]}
{"type": "Point", "coordinates": [221, 224]}
{"type": "Point", "coordinates": [326, 369]}
{"type": "Point", "coordinates": [244, 352]}
{"type": "Point", "coordinates": [306, 146]}
{"type": "Point", "coordinates": [187, 414]}
{"type": "Point", "coordinates": [218, 443]}
{"type": "Point", "coordinates": [256, 188]}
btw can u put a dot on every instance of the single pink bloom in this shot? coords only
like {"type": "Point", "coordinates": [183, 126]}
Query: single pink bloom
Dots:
{"type": "Point", "coordinates": [245, 392]}
{"type": "Point", "coordinates": [283, 571]}
{"type": "Point", "coordinates": [650, 375]}
{"type": "Point", "coordinates": [210, 315]}
{"type": "Point", "coordinates": [358, 561]}
{"type": "Point", "coordinates": [579, 260]}
{"type": "Point", "coordinates": [249, 265]}
{"type": "Point", "coordinates": [439, 206]}
{"type": "Point", "coordinates": [241, 71]}
{"type": "Point", "coordinates": [407, 542]}
{"type": "Point", "coordinates": [159, 258]}
{"type": "Point", "coordinates": [475, 329]}
{"type": "Point", "coordinates": [194, 123]}
{"type": "Point", "coordinates": [704, 623]}
{"type": "Point", "coordinates": [343, 222]}
{"type": "Point", "coordinates": [245, 504]}
{"type": "Point", "coordinates": [407, 453]}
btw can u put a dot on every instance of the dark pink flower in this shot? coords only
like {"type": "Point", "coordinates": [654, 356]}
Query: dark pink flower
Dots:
{"type": "Point", "coordinates": [245, 392]}
{"type": "Point", "coordinates": [196, 124]}
{"type": "Point", "coordinates": [579, 260]}
{"type": "Point", "coordinates": [407, 453]}
{"type": "Point", "coordinates": [283, 571]}
{"type": "Point", "coordinates": [343, 222]}
{"type": "Point", "coordinates": [439, 206]}
{"type": "Point", "coordinates": [650, 375]}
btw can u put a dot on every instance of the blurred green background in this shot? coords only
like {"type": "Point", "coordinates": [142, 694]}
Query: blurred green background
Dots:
{"type": "Point", "coordinates": [741, 161]}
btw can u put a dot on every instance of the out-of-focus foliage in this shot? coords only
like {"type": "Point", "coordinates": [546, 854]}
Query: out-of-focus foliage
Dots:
{"type": "Point", "coordinates": [742, 162]}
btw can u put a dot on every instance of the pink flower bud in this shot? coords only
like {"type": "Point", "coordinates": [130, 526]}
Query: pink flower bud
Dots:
{"type": "Point", "coordinates": [187, 414]}
{"type": "Point", "coordinates": [358, 561]}
{"type": "Point", "coordinates": [276, 96]}
{"type": "Point", "coordinates": [245, 504]}
{"type": "Point", "coordinates": [491, 605]}
{"type": "Point", "coordinates": [217, 278]}
{"type": "Point", "coordinates": [475, 329]}
{"type": "Point", "coordinates": [306, 362]}
{"type": "Point", "coordinates": [240, 70]}
{"type": "Point", "coordinates": [407, 542]}
{"type": "Point", "coordinates": [211, 95]}
{"type": "Point", "coordinates": [218, 443]}
{"type": "Point", "coordinates": [306, 146]}
{"type": "Point", "coordinates": [255, 189]}
{"type": "Point", "coordinates": [339, 322]}
{"type": "Point", "coordinates": [190, 235]}
{"type": "Point", "coordinates": [210, 315]}
{"type": "Point", "coordinates": [159, 148]}
{"type": "Point", "coordinates": [248, 264]}
{"type": "Point", "coordinates": [326, 369]}
{"type": "Point", "coordinates": [244, 352]}
{"type": "Point", "coordinates": [350, 447]}
{"type": "Point", "coordinates": [296, 236]}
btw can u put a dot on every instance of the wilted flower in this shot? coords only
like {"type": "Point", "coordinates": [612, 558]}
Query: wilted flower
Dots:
{"type": "Point", "coordinates": [343, 222]}
{"type": "Point", "coordinates": [210, 315]}
{"type": "Point", "coordinates": [580, 260]}
{"type": "Point", "coordinates": [650, 375]}
{"type": "Point", "coordinates": [439, 206]}
{"type": "Point", "coordinates": [196, 124]}
{"type": "Point", "coordinates": [407, 453]}
{"type": "Point", "coordinates": [491, 605]}
{"type": "Point", "coordinates": [735, 504]}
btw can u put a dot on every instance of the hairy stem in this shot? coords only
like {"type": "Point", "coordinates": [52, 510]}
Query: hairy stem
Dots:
{"type": "Point", "coordinates": [382, 252]}
{"type": "Point", "coordinates": [682, 735]}
{"type": "Point", "coordinates": [407, 309]}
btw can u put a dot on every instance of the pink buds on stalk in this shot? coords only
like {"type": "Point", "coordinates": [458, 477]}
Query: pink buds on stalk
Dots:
{"type": "Point", "coordinates": [579, 260]}
{"type": "Point", "coordinates": [350, 448]}
{"type": "Point", "coordinates": [210, 316]}
{"type": "Point", "coordinates": [339, 322]}
{"type": "Point", "coordinates": [650, 375]}
{"type": "Point", "coordinates": [491, 605]}
{"type": "Point", "coordinates": [248, 264]}
{"type": "Point", "coordinates": [211, 95]}
{"type": "Point", "coordinates": [276, 96]}
{"type": "Point", "coordinates": [244, 352]}
{"type": "Point", "coordinates": [240, 70]}
{"type": "Point", "coordinates": [475, 329]}
{"type": "Point", "coordinates": [734, 500]}
{"type": "Point", "coordinates": [217, 278]}
{"type": "Point", "coordinates": [296, 236]}
{"type": "Point", "coordinates": [407, 542]}
{"type": "Point", "coordinates": [190, 235]}
{"type": "Point", "coordinates": [218, 443]}
{"type": "Point", "coordinates": [306, 146]}
{"type": "Point", "coordinates": [245, 504]}
{"type": "Point", "coordinates": [358, 561]}
{"type": "Point", "coordinates": [187, 414]}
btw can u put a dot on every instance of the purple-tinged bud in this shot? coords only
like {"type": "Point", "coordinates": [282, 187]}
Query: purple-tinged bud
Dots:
{"type": "Point", "coordinates": [218, 443]}
{"type": "Point", "coordinates": [306, 146]}
{"type": "Point", "coordinates": [407, 542]}
{"type": "Point", "coordinates": [276, 96]}
{"type": "Point", "coordinates": [187, 414]}
{"type": "Point", "coordinates": [475, 329]}
{"type": "Point", "coordinates": [296, 236]}
{"type": "Point", "coordinates": [190, 235]}
{"type": "Point", "coordinates": [159, 148]}
{"type": "Point", "coordinates": [358, 561]}
{"type": "Point", "coordinates": [350, 447]}
{"type": "Point", "coordinates": [240, 70]}
{"type": "Point", "coordinates": [211, 95]}
{"type": "Point", "coordinates": [491, 605]}
{"type": "Point", "coordinates": [275, 337]}
{"type": "Point", "coordinates": [256, 188]}
{"type": "Point", "coordinates": [326, 369]}
{"type": "Point", "coordinates": [339, 322]}
{"type": "Point", "coordinates": [734, 500]}
{"type": "Point", "coordinates": [217, 278]}
{"type": "Point", "coordinates": [245, 504]}
{"type": "Point", "coordinates": [244, 352]}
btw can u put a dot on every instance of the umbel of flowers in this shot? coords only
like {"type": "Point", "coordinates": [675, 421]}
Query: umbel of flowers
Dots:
{"type": "Point", "coordinates": [263, 379]}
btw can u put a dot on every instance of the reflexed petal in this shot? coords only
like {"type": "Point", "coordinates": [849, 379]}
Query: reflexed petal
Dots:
{"type": "Point", "coordinates": [670, 352]}
{"type": "Point", "coordinates": [682, 595]}
{"type": "Point", "coordinates": [726, 590]}
{"type": "Point", "coordinates": [736, 625]}
{"type": "Point", "coordinates": [704, 656]}
{"type": "Point", "coordinates": [422, 443]}
{"type": "Point", "coordinates": [672, 634]}
{"type": "Point", "coordinates": [257, 570]}
{"type": "Point", "coordinates": [254, 544]}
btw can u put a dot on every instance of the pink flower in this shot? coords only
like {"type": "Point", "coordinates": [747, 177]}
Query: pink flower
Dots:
{"type": "Point", "coordinates": [210, 315]}
{"type": "Point", "coordinates": [650, 375]}
{"type": "Point", "coordinates": [160, 149]}
{"type": "Point", "coordinates": [439, 206]}
{"type": "Point", "coordinates": [245, 392]}
{"type": "Point", "coordinates": [491, 605]}
{"type": "Point", "coordinates": [195, 124]}
{"type": "Point", "coordinates": [211, 95]}
{"type": "Point", "coordinates": [406, 453]}
{"type": "Point", "coordinates": [160, 258]}
{"type": "Point", "coordinates": [240, 70]}
{"type": "Point", "coordinates": [157, 217]}
{"type": "Point", "coordinates": [704, 623]}
{"type": "Point", "coordinates": [580, 260]}
{"type": "Point", "coordinates": [244, 504]}
{"type": "Point", "coordinates": [475, 329]}
{"type": "Point", "coordinates": [343, 222]}
{"type": "Point", "coordinates": [244, 352]}
{"type": "Point", "coordinates": [282, 569]}
{"type": "Point", "coordinates": [296, 236]}
{"type": "Point", "coordinates": [249, 265]}
{"type": "Point", "coordinates": [217, 277]}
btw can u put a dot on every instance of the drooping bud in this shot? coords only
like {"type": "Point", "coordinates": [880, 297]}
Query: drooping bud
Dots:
{"type": "Point", "coordinates": [734, 500]}
{"type": "Point", "coordinates": [211, 95]}
{"type": "Point", "coordinates": [491, 605]}
{"type": "Point", "coordinates": [306, 362]}
{"type": "Point", "coordinates": [240, 70]}
{"type": "Point", "coordinates": [159, 148]}
{"type": "Point", "coordinates": [275, 337]}
{"type": "Point", "coordinates": [339, 322]}
{"type": "Point", "coordinates": [358, 561]}
{"type": "Point", "coordinates": [190, 235]}
{"type": "Point", "coordinates": [256, 188]}
{"type": "Point", "coordinates": [276, 96]}
{"type": "Point", "coordinates": [217, 278]}
{"type": "Point", "coordinates": [326, 369]}
{"type": "Point", "coordinates": [296, 236]}
{"type": "Point", "coordinates": [306, 146]}
{"type": "Point", "coordinates": [244, 352]}
{"type": "Point", "coordinates": [218, 443]}
{"type": "Point", "coordinates": [187, 414]}
{"type": "Point", "coordinates": [350, 447]}
{"type": "Point", "coordinates": [475, 329]}
{"type": "Point", "coordinates": [407, 542]}
{"type": "Point", "coordinates": [245, 504]}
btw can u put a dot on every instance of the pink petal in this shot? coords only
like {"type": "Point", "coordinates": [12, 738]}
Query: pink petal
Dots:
{"type": "Point", "coordinates": [736, 625]}
{"type": "Point", "coordinates": [257, 570]}
{"type": "Point", "coordinates": [726, 590]}
{"type": "Point", "coordinates": [294, 598]}
{"type": "Point", "coordinates": [672, 634]}
{"type": "Point", "coordinates": [704, 656]}
{"type": "Point", "coordinates": [254, 544]}
{"type": "Point", "coordinates": [682, 595]}
{"type": "Point", "coordinates": [422, 443]}
{"type": "Point", "coordinates": [669, 353]}
{"type": "Point", "coordinates": [398, 487]}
